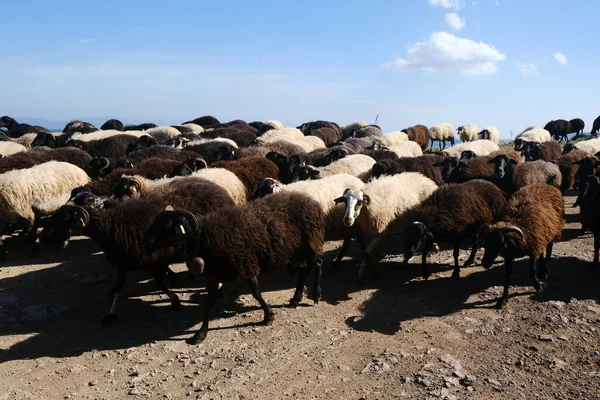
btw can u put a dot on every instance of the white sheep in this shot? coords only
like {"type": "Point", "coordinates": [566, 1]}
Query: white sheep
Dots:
{"type": "Point", "coordinates": [377, 207]}
{"type": "Point", "coordinates": [442, 133]}
{"type": "Point", "coordinates": [393, 138]}
{"type": "Point", "coordinates": [274, 123]}
{"type": "Point", "coordinates": [533, 134]}
{"type": "Point", "coordinates": [276, 134]}
{"type": "Point", "coordinates": [220, 176]}
{"type": "Point", "coordinates": [479, 147]}
{"type": "Point", "coordinates": [358, 165]}
{"type": "Point", "coordinates": [98, 135]}
{"type": "Point", "coordinates": [219, 139]}
{"type": "Point", "coordinates": [407, 149]}
{"type": "Point", "coordinates": [194, 127]}
{"type": "Point", "coordinates": [8, 148]}
{"type": "Point", "coordinates": [25, 140]}
{"type": "Point", "coordinates": [323, 191]}
{"type": "Point", "coordinates": [26, 195]}
{"type": "Point", "coordinates": [591, 146]}
{"type": "Point", "coordinates": [468, 133]}
{"type": "Point", "coordinates": [489, 133]}
{"type": "Point", "coordinates": [348, 129]}
{"type": "Point", "coordinates": [162, 133]}
{"type": "Point", "coordinates": [308, 143]}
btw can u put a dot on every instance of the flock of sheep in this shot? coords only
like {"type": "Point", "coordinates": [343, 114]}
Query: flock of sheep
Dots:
{"type": "Point", "coordinates": [235, 199]}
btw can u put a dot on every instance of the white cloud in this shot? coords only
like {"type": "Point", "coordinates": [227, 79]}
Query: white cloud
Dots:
{"type": "Point", "coordinates": [455, 22]}
{"type": "Point", "coordinates": [528, 68]}
{"type": "Point", "coordinates": [560, 58]}
{"type": "Point", "coordinates": [445, 52]}
{"type": "Point", "coordinates": [445, 3]}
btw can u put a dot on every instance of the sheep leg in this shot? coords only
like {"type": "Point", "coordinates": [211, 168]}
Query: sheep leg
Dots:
{"type": "Point", "coordinates": [596, 251]}
{"type": "Point", "coordinates": [33, 231]}
{"type": "Point", "coordinates": [212, 288]}
{"type": "Point", "coordinates": [255, 290]}
{"type": "Point", "coordinates": [424, 268]}
{"type": "Point", "coordinates": [115, 293]}
{"type": "Point", "coordinates": [295, 301]}
{"type": "Point", "coordinates": [318, 267]}
{"type": "Point", "coordinates": [508, 270]}
{"type": "Point", "coordinates": [3, 251]}
{"type": "Point", "coordinates": [347, 241]}
{"type": "Point", "coordinates": [366, 257]}
{"type": "Point", "coordinates": [533, 270]}
{"type": "Point", "coordinates": [455, 253]}
{"type": "Point", "coordinates": [160, 285]}
{"type": "Point", "coordinates": [543, 271]}
{"type": "Point", "coordinates": [474, 248]}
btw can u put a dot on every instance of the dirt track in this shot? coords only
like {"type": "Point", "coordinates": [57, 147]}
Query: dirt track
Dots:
{"type": "Point", "coordinates": [397, 336]}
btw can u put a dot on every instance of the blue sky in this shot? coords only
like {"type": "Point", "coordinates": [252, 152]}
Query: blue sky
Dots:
{"type": "Point", "coordinates": [490, 62]}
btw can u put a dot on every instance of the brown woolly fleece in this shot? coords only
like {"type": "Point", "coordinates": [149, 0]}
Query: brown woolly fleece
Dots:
{"type": "Point", "coordinates": [250, 170]}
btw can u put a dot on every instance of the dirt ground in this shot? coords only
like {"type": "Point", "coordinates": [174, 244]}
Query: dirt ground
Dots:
{"type": "Point", "coordinates": [396, 336]}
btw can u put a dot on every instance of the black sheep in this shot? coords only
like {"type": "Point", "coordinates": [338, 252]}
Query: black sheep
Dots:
{"type": "Point", "coordinates": [113, 124]}
{"type": "Point", "coordinates": [213, 150]}
{"type": "Point", "coordinates": [428, 165]}
{"type": "Point", "coordinates": [141, 127]}
{"type": "Point", "coordinates": [242, 138]}
{"type": "Point", "coordinates": [119, 230]}
{"type": "Point", "coordinates": [559, 129]}
{"type": "Point", "coordinates": [79, 126]}
{"type": "Point", "coordinates": [595, 127]}
{"type": "Point", "coordinates": [143, 142]}
{"type": "Point", "coordinates": [241, 242]}
{"type": "Point", "coordinates": [114, 148]}
{"type": "Point", "coordinates": [577, 126]}
{"type": "Point", "coordinates": [206, 122]}
{"type": "Point", "coordinates": [15, 129]}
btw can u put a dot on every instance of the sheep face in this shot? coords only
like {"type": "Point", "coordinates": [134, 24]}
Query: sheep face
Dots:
{"type": "Point", "coordinates": [354, 200]}
{"type": "Point", "coordinates": [569, 147]}
{"type": "Point", "coordinates": [501, 162]}
{"type": "Point", "coordinates": [64, 223]}
{"type": "Point", "coordinates": [125, 164]}
{"type": "Point", "coordinates": [499, 241]}
{"type": "Point", "coordinates": [518, 144]}
{"type": "Point", "coordinates": [587, 190]}
{"type": "Point", "coordinates": [44, 139]}
{"type": "Point", "coordinates": [531, 151]}
{"type": "Point", "coordinates": [170, 228]}
{"type": "Point", "coordinates": [467, 155]}
{"type": "Point", "coordinates": [142, 143]}
{"type": "Point", "coordinates": [83, 197]}
{"type": "Point", "coordinates": [304, 173]}
{"type": "Point", "coordinates": [125, 187]}
{"type": "Point", "coordinates": [484, 134]}
{"type": "Point", "coordinates": [334, 155]}
{"type": "Point", "coordinates": [449, 165]}
{"type": "Point", "coordinates": [267, 186]}
{"type": "Point", "coordinates": [7, 122]}
{"type": "Point", "coordinates": [416, 234]}
{"type": "Point", "coordinates": [176, 142]}
{"type": "Point", "coordinates": [98, 167]}
{"type": "Point", "coordinates": [188, 167]}
{"type": "Point", "coordinates": [378, 170]}
{"type": "Point", "coordinates": [225, 152]}
{"type": "Point", "coordinates": [75, 143]}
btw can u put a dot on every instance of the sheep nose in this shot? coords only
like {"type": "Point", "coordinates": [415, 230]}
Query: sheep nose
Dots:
{"type": "Point", "coordinates": [348, 221]}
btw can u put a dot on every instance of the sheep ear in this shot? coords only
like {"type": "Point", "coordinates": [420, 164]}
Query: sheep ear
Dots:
{"type": "Point", "coordinates": [366, 199]}
{"type": "Point", "coordinates": [463, 164]}
{"type": "Point", "coordinates": [339, 200]}
{"type": "Point", "coordinates": [512, 161]}
{"type": "Point", "coordinates": [492, 161]}
{"type": "Point", "coordinates": [169, 208]}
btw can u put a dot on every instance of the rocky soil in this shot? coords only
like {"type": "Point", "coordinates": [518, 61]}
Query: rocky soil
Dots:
{"type": "Point", "coordinates": [396, 336]}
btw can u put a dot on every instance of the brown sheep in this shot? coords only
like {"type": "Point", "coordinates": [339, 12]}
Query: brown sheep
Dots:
{"type": "Point", "coordinates": [457, 171]}
{"type": "Point", "coordinates": [418, 134]}
{"type": "Point", "coordinates": [534, 220]}
{"type": "Point", "coordinates": [511, 176]}
{"type": "Point", "coordinates": [326, 134]}
{"type": "Point", "coordinates": [569, 167]}
{"type": "Point", "coordinates": [28, 159]}
{"type": "Point", "coordinates": [547, 151]}
{"type": "Point", "coordinates": [250, 170]}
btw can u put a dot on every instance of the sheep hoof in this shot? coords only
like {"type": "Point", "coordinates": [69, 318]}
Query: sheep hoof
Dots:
{"type": "Point", "coordinates": [35, 252]}
{"type": "Point", "coordinates": [175, 305]}
{"type": "Point", "coordinates": [468, 263]}
{"type": "Point", "coordinates": [108, 319]}
{"type": "Point", "coordinates": [268, 320]}
{"type": "Point", "coordinates": [500, 304]}
{"type": "Point", "coordinates": [294, 303]}
{"type": "Point", "coordinates": [456, 275]}
{"type": "Point", "coordinates": [197, 338]}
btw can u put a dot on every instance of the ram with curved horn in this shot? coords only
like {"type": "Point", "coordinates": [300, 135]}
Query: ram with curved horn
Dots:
{"type": "Point", "coordinates": [533, 222]}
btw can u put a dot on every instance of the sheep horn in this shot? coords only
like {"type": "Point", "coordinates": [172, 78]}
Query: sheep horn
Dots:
{"type": "Point", "coordinates": [192, 218]}
{"type": "Point", "coordinates": [204, 162]}
{"type": "Point", "coordinates": [512, 228]}
{"type": "Point", "coordinates": [86, 215]}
